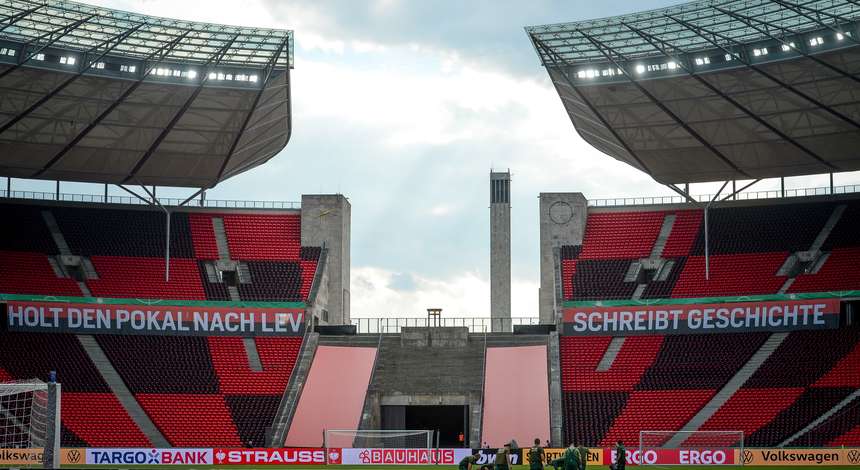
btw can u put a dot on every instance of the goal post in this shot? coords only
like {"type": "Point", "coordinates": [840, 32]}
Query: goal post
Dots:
{"type": "Point", "coordinates": [690, 448]}
{"type": "Point", "coordinates": [30, 422]}
{"type": "Point", "coordinates": [382, 439]}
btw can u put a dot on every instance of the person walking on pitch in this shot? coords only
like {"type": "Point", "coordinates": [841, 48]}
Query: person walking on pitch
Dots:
{"type": "Point", "coordinates": [583, 456]}
{"type": "Point", "coordinates": [503, 458]}
{"type": "Point", "coordinates": [536, 456]}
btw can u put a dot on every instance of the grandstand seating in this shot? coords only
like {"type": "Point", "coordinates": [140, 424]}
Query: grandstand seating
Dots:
{"type": "Point", "coordinates": [201, 391]}
{"type": "Point", "coordinates": [660, 382]}
{"type": "Point", "coordinates": [748, 245]}
{"type": "Point", "coordinates": [83, 388]}
{"type": "Point", "coordinates": [126, 247]}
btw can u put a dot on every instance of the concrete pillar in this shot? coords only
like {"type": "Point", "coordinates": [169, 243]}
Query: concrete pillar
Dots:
{"type": "Point", "coordinates": [326, 222]}
{"type": "Point", "coordinates": [500, 251]}
{"type": "Point", "coordinates": [562, 222]}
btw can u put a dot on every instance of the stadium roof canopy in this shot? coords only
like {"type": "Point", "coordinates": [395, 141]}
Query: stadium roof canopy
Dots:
{"type": "Point", "coordinates": [715, 90]}
{"type": "Point", "coordinates": [93, 94]}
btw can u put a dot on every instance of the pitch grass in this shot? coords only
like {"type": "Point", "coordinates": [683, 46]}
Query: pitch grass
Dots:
{"type": "Point", "coordinates": [435, 467]}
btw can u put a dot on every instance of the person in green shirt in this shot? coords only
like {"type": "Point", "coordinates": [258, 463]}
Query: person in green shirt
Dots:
{"type": "Point", "coordinates": [503, 458]}
{"type": "Point", "coordinates": [536, 456]}
{"type": "Point", "coordinates": [469, 461]}
{"type": "Point", "coordinates": [571, 458]}
{"type": "Point", "coordinates": [583, 456]}
{"type": "Point", "coordinates": [620, 456]}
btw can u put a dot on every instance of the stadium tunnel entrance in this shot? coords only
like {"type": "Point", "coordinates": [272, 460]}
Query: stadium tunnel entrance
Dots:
{"type": "Point", "coordinates": [450, 421]}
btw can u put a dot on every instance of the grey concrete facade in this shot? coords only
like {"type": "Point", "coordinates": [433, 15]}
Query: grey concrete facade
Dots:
{"type": "Point", "coordinates": [326, 222]}
{"type": "Point", "coordinates": [562, 222]}
{"type": "Point", "coordinates": [500, 248]}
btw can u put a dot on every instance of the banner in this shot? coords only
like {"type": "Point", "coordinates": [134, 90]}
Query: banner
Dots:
{"type": "Point", "coordinates": [288, 456]}
{"type": "Point", "coordinates": [488, 456]}
{"type": "Point", "coordinates": [46, 317]}
{"type": "Point", "coordinates": [802, 457]}
{"type": "Point", "coordinates": [703, 456]}
{"type": "Point", "coordinates": [20, 457]}
{"type": "Point", "coordinates": [72, 456]}
{"type": "Point", "coordinates": [595, 456]}
{"type": "Point", "coordinates": [362, 456]}
{"type": "Point", "coordinates": [788, 315]}
{"type": "Point", "coordinates": [144, 456]}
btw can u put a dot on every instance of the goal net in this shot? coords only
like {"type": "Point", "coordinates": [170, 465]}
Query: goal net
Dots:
{"type": "Point", "coordinates": [689, 448]}
{"type": "Point", "coordinates": [387, 439]}
{"type": "Point", "coordinates": [29, 422]}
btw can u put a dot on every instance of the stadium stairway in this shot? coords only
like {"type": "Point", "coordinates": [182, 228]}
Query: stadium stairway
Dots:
{"type": "Point", "coordinates": [121, 391]}
{"type": "Point", "coordinates": [732, 386]}
{"type": "Point", "coordinates": [290, 400]}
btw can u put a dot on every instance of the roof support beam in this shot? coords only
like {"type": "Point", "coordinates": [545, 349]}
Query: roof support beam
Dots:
{"type": "Point", "coordinates": [608, 55]}
{"type": "Point", "coordinates": [750, 22]}
{"type": "Point", "coordinates": [60, 32]}
{"type": "Point", "coordinates": [684, 194]}
{"type": "Point", "coordinates": [265, 82]}
{"type": "Point", "coordinates": [216, 58]}
{"type": "Point", "coordinates": [12, 19]}
{"type": "Point", "coordinates": [703, 33]}
{"type": "Point", "coordinates": [84, 66]}
{"type": "Point", "coordinates": [560, 64]}
{"type": "Point", "coordinates": [738, 191]}
{"type": "Point", "coordinates": [145, 200]}
{"type": "Point", "coordinates": [160, 53]}
{"type": "Point", "coordinates": [799, 9]}
{"type": "Point", "coordinates": [692, 73]}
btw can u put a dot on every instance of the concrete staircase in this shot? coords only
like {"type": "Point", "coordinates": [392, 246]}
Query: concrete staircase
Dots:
{"type": "Point", "coordinates": [663, 236]}
{"type": "Point", "coordinates": [556, 424]}
{"type": "Point", "coordinates": [252, 354]}
{"type": "Point", "coordinates": [221, 238]}
{"type": "Point", "coordinates": [56, 234]}
{"type": "Point", "coordinates": [822, 418]}
{"type": "Point", "coordinates": [610, 354]}
{"type": "Point", "coordinates": [117, 386]}
{"type": "Point", "coordinates": [732, 386]}
{"type": "Point", "coordinates": [293, 392]}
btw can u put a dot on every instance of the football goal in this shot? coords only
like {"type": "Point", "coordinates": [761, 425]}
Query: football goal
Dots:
{"type": "Point", "coordinates": [383, 439]}
{"type": "Point", "coordinates": [29, 423]}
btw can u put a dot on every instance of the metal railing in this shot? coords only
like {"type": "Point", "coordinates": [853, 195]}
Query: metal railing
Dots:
{"type": "Point", "coordinates": [166, 201]}
{"type": "Point", "coordinates": [384, 325]}
{"type": "Point", "coordinates": [744, 195]}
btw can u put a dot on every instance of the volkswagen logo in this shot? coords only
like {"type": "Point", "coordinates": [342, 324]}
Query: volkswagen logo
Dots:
{"type": "Point", "coordinates": [748, 457]}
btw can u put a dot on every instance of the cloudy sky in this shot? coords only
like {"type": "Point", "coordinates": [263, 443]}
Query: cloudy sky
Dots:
{"type": "Point", "coordinates": [404, 106]}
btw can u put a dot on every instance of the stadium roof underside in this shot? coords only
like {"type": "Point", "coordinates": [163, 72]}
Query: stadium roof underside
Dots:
{"type": "Point", "coordinates": [715, 90]}
{"type": "Point", "coordinates": [99, 95]}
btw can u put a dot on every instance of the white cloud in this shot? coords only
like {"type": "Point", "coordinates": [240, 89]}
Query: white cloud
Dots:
{"type": "Point", "coordinates": [465, 294]}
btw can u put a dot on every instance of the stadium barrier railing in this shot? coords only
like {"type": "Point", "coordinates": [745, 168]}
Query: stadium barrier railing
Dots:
{"type": "Point", "coordinates": [741, 196]}
{"type": "Point", "coordinates": [165, 201]}
{"type": "Point", "coordinates": [383, 325]}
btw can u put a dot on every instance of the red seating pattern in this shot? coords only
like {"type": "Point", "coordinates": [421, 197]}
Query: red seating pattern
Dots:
{"type": "Point", "coordinates": [620, 234]}
{"type": "Point", "coordinates": [748, 410]}
{"type": "Point", "coordinates": [734, 274]}
{"type": "Point", "coordinates": [839, 272]}
{"type": "Point", "coordinates": [264, 237]}
{"type": "Point", "coordinates": [846, 373]}
{"type": "Point", "coordinates": [655, 409]}
{"type": "Point", "coordinates": [203, 236]}
{"type": "Point", "coordinates": [568, 271]}
{"type": "Point", "coordinates": [684, 233]}
{"type": "Point", "coordinates": [849, 439]}
{"type": "Point", "coordinates": [277, 355]}
{"type": "Point", "coordinates": [136, 277]}
{"type": "Point", "coordinates": [189, 420]}
{"type": "Point", "coordinates": [109, 427]}
{"type": "Point", "coordinates": [30, 273]}
{"type": "Point", "coordinates": [581, 355]}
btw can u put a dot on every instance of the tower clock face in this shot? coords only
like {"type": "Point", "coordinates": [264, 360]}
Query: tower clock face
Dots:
{"type": "Point", "coordinates": [560, 212]}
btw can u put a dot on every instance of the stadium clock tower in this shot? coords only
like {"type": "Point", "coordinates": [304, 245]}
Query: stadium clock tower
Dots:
{"type": "Point", "coordinates": [500, 250]}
